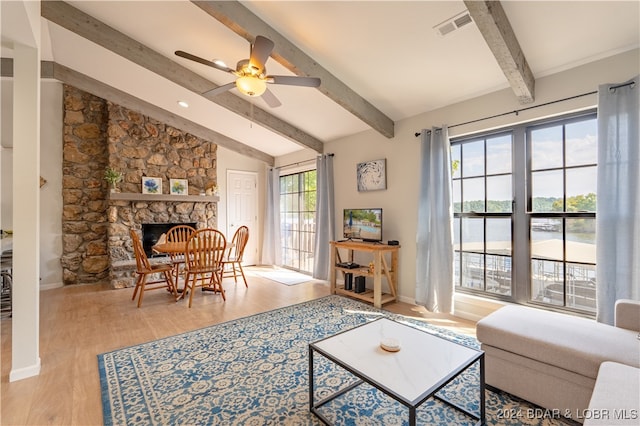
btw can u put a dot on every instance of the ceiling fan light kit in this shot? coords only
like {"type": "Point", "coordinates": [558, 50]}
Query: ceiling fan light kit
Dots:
{"type": "Point", "coordinates": [251, 86]}
{"type": "Point", "coordinates": [251, 73]}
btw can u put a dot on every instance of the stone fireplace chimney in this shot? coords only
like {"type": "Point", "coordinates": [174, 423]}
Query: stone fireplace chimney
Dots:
{"type": "Point", "coordinates": [96, 223]}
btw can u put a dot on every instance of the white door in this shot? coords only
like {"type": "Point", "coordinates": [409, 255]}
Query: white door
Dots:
{"type": "Point", "coordinates": [242, 201]}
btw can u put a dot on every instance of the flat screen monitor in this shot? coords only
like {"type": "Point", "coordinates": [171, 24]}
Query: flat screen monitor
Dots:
{"type": "Point", "coordinates": [363, 224]}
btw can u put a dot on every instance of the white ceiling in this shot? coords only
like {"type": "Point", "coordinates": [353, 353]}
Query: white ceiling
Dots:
{"type": "Point", "coordinates": [386, 51]}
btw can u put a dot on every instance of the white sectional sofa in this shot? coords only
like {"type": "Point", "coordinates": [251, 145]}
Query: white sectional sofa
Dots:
{"type": "Point", "coordinates": [553, 359]}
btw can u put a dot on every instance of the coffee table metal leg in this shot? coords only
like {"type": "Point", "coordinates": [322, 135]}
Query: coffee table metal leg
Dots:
{"type": "Point", "coordinates": [482, 392]}
{"type": "Point", "coordinates": [480, 417]}
{"type": "Point", "coordinates": [313, 406]}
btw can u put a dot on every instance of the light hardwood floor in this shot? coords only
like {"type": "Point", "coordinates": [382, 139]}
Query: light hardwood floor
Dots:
{"type": "Point", "coordinates": [79, 322]}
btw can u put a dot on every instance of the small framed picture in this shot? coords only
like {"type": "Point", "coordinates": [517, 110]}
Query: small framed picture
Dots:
{"type": "Point", "coordinates": [372, 175]}
{"type": "Point", "coordinates": [151, 185]}
{"type": "Point", "coordinates": [179, 186]}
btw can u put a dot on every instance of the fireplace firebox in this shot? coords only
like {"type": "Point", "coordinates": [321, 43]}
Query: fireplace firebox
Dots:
{"type": "Point", "coordinates": [151, 232]}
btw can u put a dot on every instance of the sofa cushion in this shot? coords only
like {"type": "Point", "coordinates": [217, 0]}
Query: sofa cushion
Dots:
{"type": "Point", "coordinates": [616, 396]}
{"type": "Point", "coordinates": [628, 314]}
{"type": "Point", "coordinates": [573, 343]}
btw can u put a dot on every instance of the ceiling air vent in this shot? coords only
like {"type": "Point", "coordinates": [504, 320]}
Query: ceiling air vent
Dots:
{"type": "Point", "coordinates": [454, 23]}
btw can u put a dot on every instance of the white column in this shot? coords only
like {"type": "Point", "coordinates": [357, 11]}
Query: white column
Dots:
{"type": "Point", "coordinates": [26, 210]}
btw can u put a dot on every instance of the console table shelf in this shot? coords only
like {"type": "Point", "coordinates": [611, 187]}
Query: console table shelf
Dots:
{"type": "Point", "coordinates": [381, 268]}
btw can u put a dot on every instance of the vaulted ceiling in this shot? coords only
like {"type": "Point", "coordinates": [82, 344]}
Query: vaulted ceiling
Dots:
{"type": "Point", "coordinates": [379, 61]}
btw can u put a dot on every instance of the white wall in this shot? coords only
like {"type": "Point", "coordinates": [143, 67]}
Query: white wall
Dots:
{"type": "Point", "coordinates": [399, 200]}
{"type": "Point", "coordinates": [51, 193]}
{"type": "Point", "coordinates": [297, 160]}
{"type": "Point", "coordinates": [50, 169]}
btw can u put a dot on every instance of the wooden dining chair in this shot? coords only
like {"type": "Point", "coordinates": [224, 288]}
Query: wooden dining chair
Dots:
{"type": "Point", "coordinates": [203, 262]}
{"type": "Point", "coordinates": [144, 268]}
{"type": "Point", "coordinates": [232, 262]}
{"type": "Point", "coordinates": [178, 234]}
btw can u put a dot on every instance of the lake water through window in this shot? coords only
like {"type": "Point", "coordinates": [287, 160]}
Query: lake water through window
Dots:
{"type": "Point", "coordinates": [524, 213]}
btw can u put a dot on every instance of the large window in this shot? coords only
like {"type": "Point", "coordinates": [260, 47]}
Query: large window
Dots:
{"type": "Point", "coordinates": [524, 213]}
{"type": "Point", "coordinates": [297, 219]}
{"type": "Point", "coordinates": [483, 194]}
{"type": "Point", "coordinates": [562, 207]}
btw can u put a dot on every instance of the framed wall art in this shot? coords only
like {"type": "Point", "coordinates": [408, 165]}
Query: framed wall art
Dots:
{"type": "Point", "coordinates": [179, 186]}
{"type": "Point", "coordinates": [372, 175]}
{"type": "Point", "coordinates": [151, 185]}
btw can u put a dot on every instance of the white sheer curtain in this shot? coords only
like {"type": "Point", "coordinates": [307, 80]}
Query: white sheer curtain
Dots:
{"type": "Point", "coordinates": [271, 244]}
{"type": "Point", "coordinates": [434, 258]}
{"type": "Point", "coordinates": [325, 216]}
{"type": "Point", "coordinates": [618, 208]}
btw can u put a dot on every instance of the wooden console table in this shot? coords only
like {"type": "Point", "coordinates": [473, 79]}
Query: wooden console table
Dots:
{"type": "Point", "coordinates": [380, 269]}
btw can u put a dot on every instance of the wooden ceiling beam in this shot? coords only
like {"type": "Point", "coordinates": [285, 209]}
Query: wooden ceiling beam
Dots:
{"type": "Point", "coordinates": [96, 31]}
{"type": "Point", "coordinates": [494, 26]}
{"type": "Point", "coordinates": [247, 25]}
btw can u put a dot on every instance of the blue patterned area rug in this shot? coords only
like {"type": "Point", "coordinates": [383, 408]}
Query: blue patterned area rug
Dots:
{"type": "Point", "coordinates": [254, 371]}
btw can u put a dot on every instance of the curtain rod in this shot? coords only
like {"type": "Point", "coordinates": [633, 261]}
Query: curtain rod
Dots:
{"type": "Point", "coordinates": [517, 111]}
{"type": "Point", "coordinates": [299, 163]}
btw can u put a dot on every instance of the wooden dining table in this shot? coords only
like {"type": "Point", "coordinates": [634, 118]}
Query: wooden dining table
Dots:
{"type": "Point", "coordinates": [177, 248]}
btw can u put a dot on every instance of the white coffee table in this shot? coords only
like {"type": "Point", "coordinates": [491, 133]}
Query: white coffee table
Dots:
{"type": "Point", "coordinates": [424, 364]}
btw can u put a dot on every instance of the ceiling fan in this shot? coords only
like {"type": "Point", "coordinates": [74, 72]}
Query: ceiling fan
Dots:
{"type": "Point", "coordinates": [252, 75]}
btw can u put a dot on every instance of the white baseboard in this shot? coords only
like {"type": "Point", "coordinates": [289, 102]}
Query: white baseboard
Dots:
{"type": "Point", "coordinates": [408, 300]}
{"type": "Point", "coordinates": [51, 286]}
{"type": "Point", "coordinates": [26, 372]}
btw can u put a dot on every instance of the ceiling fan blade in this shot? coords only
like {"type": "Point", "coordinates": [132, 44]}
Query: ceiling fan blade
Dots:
{"type": "Point", "coordinates": [294, 80]}
{"type": "Point", "coordinates": [260, 52]}
{"type": "Point", "coordinates": [204, 61]}
{"type": "Point", "coordinates": [271, 99]}
{"type": "Point", "coordinates": [219, 89]}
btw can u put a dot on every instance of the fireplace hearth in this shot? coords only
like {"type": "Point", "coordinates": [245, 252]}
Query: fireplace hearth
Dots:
{"type": "Point", "coordinates": [151, 232]}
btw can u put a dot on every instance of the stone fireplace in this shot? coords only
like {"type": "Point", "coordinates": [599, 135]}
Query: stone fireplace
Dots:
{"type": "Point", "coordinates": [96, 223]}
{"type": "Point", "coordinates": [124, 215]}
{"type": "Point", "coordinates": [151, 233]}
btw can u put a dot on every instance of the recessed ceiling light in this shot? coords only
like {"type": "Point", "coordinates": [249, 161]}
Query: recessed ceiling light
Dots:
{"type": "Point", "coordinates": [183, 104]}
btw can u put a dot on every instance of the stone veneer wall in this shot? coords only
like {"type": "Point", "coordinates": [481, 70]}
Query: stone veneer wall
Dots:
{"type": "Point", "coordinates": [84, 192]}
{"type": "Point", "coordinates": [96, 229]}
